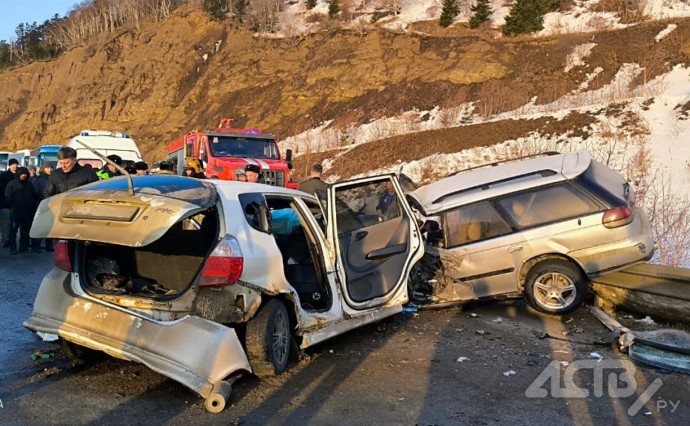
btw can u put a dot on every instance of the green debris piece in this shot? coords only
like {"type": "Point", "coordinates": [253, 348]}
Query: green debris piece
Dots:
{"type": "Point", "coordinates": [40, 355]}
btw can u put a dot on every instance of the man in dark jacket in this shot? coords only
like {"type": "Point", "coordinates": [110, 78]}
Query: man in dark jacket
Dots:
{"type": "Point", "coordinates": [314, 184]}
{"type": "Point", "coordinates": [39, 183]}
{"type": "Point", "coordinates": [5, 223]}
{"type": "Point", "coordinates": [22, 199]}
{"type": "Point", "coordinates": [70, 174]}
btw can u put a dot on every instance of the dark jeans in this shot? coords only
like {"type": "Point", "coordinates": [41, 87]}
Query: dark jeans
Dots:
{"type": "Point", "coordinates": [5, 224]}
{"type": "Point", "coordinates": [23, 226]}
{"type": "Point", "coordinates": [47, 244]}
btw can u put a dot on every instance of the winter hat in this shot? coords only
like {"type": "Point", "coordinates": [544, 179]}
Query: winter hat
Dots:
{"type": "Point", "coordinates": [140, 165]}
{"type": "Point", "coordinates": [253, 168]}
{"type": "Point", "coordinates": [115, 159]}
{"type": "Point", "coordinates": [13, 161]}
{"type": "Point", "coordinates": [22, 171]}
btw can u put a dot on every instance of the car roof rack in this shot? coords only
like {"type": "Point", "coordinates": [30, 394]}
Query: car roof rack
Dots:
{"type": "Point", "coordinates": [496, 163]}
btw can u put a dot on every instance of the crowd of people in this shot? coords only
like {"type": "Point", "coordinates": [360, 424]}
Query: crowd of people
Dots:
{"type": "Point", "coordinates": [23, 188]}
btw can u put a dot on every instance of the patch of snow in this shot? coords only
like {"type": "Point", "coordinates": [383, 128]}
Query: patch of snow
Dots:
{"type": "Point", "coordinates": [589, 77]}
{"type": "Point", "coordinates": [666, 31]}
{"type": "Point", "coordinates": [665, 9]}
{"type": "Point", "coordinates": [577, 56]}
{"type": "Point", "coordinates": [584, 22]}
{"type": "Point", "coordinates": [646, 320]}
{"type": "Point", "coordinates": [498, 17]}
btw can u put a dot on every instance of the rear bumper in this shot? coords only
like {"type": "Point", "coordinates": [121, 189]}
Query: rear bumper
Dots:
{"type": "Point", "coordinates": [193, 351]}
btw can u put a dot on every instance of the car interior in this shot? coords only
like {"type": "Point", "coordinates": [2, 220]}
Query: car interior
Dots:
{"type": "Point", "coordinates": [302, 262]}
{"type": "Point", "coordinates": [162, 269]}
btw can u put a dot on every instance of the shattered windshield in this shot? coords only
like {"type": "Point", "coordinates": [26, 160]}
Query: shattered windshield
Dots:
{"type": "Point", "coordinates": [244, 147]}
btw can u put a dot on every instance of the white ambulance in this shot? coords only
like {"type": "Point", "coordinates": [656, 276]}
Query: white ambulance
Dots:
{"type": "Point", "coordinates": [105, 142]}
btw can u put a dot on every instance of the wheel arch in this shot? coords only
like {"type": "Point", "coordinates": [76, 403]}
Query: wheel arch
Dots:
{"type": "Point", "coordinates": [290, 306]}
{"type": "Point", "coordinates": [530, 263]}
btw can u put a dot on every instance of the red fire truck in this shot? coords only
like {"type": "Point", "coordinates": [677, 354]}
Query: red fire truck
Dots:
{"type": "Point", "coordinates": [225, 152]}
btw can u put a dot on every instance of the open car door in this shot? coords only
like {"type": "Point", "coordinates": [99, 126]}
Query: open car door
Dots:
{"type": "Point", "coordinates": [376, 241]}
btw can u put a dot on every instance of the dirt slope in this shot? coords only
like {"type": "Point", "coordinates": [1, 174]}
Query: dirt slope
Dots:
{"type": "Point", "coordinates": [187, 72]}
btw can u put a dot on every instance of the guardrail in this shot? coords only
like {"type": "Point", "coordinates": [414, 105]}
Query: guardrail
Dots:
{"type": "Point", "coordinates": [660, 291]}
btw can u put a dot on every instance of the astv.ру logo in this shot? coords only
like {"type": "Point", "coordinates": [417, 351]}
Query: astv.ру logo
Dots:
{"type": "Point", "coordinates": [616, 377]}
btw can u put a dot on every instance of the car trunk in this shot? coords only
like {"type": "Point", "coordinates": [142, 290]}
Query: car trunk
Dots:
{"type": "Point", "coordinates": [150, 244]}
{"type": "Point", "coordinates": [165, 268]}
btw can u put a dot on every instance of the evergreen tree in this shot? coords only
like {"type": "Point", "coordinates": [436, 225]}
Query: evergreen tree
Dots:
{"type": "Point", "coordinates": [333, 9]}
{"type": "Point", "coordinates": [448, 13]}
{"type": "Point", "coordinates": [527, 16]}
{"type": "Point", "coordinates": [216, 9]}
{"type": "Point", "coordinates": [481, 12]}
{"type": "Point", "coordinates": [239, 8]}
{"type": "Point", "coordinates": [311, 4]}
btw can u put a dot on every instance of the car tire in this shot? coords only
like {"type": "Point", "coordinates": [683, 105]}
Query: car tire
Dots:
{"type": "Point", "coordinates": [81, 354]}
{"type": "Point", "coordinates": [269, 340]}
{"type": "Point", "coordinates": [555, 287]}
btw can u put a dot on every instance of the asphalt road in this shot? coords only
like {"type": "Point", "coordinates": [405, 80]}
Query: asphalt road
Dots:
{"type": "Point", "coordinates": [484, 364]}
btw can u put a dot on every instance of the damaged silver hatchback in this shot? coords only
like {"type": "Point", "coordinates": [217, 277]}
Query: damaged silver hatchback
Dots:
{"type": "Point", "coordinates": [204, 280]}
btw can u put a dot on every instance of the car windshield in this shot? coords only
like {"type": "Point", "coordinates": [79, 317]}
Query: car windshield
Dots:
{"type": "Point", "coordinates": [48, 156]}
{"type": "Point", "coordinates": [244, 147]}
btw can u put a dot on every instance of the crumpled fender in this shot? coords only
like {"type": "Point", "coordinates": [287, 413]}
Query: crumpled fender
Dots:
{"type": "Point", "coordinates": [193, 351]}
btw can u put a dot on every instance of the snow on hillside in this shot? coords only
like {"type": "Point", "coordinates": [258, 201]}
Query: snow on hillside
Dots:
{"type": "Point", "coordinates": [580, 18]}
{"type": "Point", "coordinates": [668, 91]}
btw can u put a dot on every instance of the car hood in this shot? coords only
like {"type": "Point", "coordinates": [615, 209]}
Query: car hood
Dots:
{"type": "Point", "coordinates": [106, 212]}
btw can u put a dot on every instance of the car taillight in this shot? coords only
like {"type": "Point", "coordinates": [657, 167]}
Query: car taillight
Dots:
{"type": "Point", "coordinates": [62, 260]}
{"type": "Point", "coordinates": [224, 265]}
{"type": "Point", "coordinates": [618, 216]}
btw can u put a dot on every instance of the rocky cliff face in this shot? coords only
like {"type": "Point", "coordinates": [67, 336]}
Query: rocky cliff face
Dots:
{"type": "Point", "coordinates": [187, 72]}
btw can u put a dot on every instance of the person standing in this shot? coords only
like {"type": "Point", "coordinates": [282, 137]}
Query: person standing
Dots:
{"type": "Point", "coordinates": [22, 200]}
{"type": "Point", "coordinates": [108, 170]}
{"type": "Point", "coordinates": [141, 168]}
{"type": "Point", "coordinates": [70, 174]}
{"type": "Point", "coordinates": [165, 168]}
{"type": "Point", "coordinates": [388, 203]}
{"type": "Point", "coordinates": [39, 183]}
{"type": "Point", "coordinates": [314, 185]}
{"type": "Point", "coordinates": [5, 223]}
{"type": "Point", "coordinates": [253, 173]}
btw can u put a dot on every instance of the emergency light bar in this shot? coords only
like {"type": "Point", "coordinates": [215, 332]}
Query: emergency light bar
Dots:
{"type": "Point", "coordinates": [104, 133]}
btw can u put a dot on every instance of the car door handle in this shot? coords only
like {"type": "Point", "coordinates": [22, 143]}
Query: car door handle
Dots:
{"type": "Point", "coordinates": [514, 248]}
{"type": "Point", "coordinates": [361, 235]}
{"type": "Point", "coordinates": [386, 252]}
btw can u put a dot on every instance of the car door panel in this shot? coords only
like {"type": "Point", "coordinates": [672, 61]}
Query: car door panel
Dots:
{"type": "Point", "coordinates": [372, 260]}
{"type": "Point", "coordinates": [375, 255]}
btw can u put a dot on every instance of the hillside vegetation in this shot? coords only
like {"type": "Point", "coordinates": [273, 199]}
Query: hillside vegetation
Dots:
{"type": "Point", "coordinates": [173, 75]}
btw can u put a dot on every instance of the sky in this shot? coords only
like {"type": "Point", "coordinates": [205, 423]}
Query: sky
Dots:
{"type": "Point", "coordinates": [14, 12]}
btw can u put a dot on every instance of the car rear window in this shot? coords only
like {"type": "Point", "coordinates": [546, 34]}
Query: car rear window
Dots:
{"type": "Point", "coordinates": [605, 183]}
{"type": "Point", "coordinates": [544, 205]}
